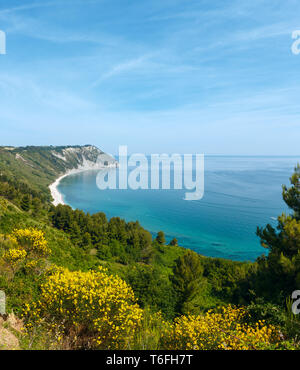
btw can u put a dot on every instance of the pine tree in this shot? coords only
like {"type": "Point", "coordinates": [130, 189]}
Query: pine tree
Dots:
{"type": "Point", "coordinates": [287, 240]}
{"type": "Point", "coordinates": [161, 237]}
{"type": "Point", "coordinates": [278, 273]}
{"type": "Point", "coordinates": [291, 196]}
{"type": "Point", "coordinates": [174, 242]}
{"type": "Point", "coordinates": [86, 241]}
{"type": "Point", "coordinates": [25, 203]}
{"type": "Point", "coordinates": [186, 279]}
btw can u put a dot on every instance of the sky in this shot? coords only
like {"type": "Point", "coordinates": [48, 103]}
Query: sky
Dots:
{"type": "Point", "coordinates": [160, 76]}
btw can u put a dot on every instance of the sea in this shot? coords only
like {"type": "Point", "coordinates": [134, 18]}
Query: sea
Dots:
{"type": "Point", "coordinates": [241, 193]}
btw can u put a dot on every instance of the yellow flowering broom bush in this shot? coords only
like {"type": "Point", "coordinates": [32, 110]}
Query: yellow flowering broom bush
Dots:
{"type": "Point", "coordinates": [14, 257]}
{"type": "Point", "coordinates": [89, 309]}
{"type": "Point", "coordinates": [24, 247]}
{"type": "Point", "coordinates": [32, 240]}
{"type": "Point", "coordinates": [223, 330]}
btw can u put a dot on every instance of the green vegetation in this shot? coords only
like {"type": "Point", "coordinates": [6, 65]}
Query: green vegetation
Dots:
{"type": "Point", "coordinates": [161, 239]}
{"type": "Point", "coordinates": [187, 277]}
{"type": "Point", "coordinates": [30, 170]}
{"type": "Point", "coordinates": [44, 248]}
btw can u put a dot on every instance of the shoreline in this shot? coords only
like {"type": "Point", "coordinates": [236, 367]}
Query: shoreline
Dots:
{"type": "Point", "coordinates": [56, 195]}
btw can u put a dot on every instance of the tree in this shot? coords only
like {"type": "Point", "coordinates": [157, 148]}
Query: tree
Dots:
{"type": "Point", "coordinates": [161, 237]}
{"type": "Point", "coordinates": [25, 203]}
{"type": "Point", "coordinates": [174, 242]}
{"type": "Point", "coordinates": [152, 288]}
{"type": "Point", "coordinates": [278, 274]}
{"type": "Point", "coordinates": [86, 241]}
{"type": "Point", "coordinates": [186, 279]}
{"type": "Point", "coordinates": [291, 196]}
{"type": "Point", "coordinates": [37, 206]}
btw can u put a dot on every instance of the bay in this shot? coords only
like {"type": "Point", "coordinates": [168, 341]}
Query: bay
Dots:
{"type": "Point", "coordinates": [241, 193]}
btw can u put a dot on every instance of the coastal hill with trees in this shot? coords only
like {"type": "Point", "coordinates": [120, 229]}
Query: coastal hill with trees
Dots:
{"type": "Point", "coordinates": [75, 280]}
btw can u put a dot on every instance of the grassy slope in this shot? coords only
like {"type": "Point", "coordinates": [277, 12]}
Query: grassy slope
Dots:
{"type": "Point", "coordinates": [37, 166]}
{"type": "Point", "coordinates": [64, 253]}
{"type": "Point", "coordinates": [36, 176]}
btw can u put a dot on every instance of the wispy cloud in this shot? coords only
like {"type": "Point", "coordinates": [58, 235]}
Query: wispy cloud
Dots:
{"type": "Point", "coordinates": [18, 21]}
{"type": "Point", "coordinates": [130, 65]}
{"type": "Point", "coordinates": [21, 8]}
{"type": "Point", "coordinates": [44, 4]}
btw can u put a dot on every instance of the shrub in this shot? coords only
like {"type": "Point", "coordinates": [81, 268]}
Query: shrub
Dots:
{"type": "Point", "coordinates": [32, 240]}
{"type": "Point", "coordinates": [152, 327]}
{"type": "Point", "coordinates": [89, 309]}
{"type": "Point", "coordinates": [223, 330]}
{"type": "Point", "coordinates": [24, 248]}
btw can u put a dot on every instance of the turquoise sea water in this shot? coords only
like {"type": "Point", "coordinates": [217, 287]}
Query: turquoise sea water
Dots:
{"type": "Point", "coordinates": [241, 193]}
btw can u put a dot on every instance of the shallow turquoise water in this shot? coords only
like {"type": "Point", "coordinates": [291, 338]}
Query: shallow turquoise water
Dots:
{"type": "Point", "coordinates": [241, 193]}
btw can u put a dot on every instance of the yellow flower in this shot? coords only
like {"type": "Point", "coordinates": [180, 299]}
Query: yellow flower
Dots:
{"type": "Point", "coordinates": [100, 310]}
{"type": "Point", "coordinates": [224, 330]}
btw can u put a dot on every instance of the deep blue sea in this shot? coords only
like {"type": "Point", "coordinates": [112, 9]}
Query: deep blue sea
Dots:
{"type": "Point", "coordinates": [241, 193]}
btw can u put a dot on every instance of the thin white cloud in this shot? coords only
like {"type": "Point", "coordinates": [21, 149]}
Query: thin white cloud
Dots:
{"type": "Point", "coordinates": [42, 4]}
{"type": "Point", "coordinates": [118, 69]}
{"type": "Point", "coordinates": [27, 7]}
{"type": "Point", "coordinates": [20, 88]}
{"type": "Point", "coordinates": [15, 21]}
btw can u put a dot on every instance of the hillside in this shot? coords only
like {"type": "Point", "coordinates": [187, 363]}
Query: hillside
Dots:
{"type": "Point", "coordinates": [114, 286]}
{"type": "Point", "coordinates": [151, 270]}
{"type": "Point", "coordinates": [32, 169]}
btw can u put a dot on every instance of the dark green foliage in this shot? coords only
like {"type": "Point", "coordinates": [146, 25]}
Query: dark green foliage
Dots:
{"type": "Point", "coordinates": [115, 238]}
{"type": "Point", "coordinates": [16, 191]}
{"type": "Point", "coordinates": [277, 275]}
{"type": "Point", "coordinates": [291, 195]}
{"type": "Point", "coordinates": [23, 288]}
{"type": "Point", "coordinates": [152, 288]}
{"type": "Point", "coordinates": [37, 206]}
{"type": "Point", "coordinates": [174, 242]}
{"type": "Point", "coordinates": [25, 203]}
{"type": "Point", "coordinates": [280, 241]}
{"type": "Point", "coordinates": [186, 279]}
{"type": "Point", "coordinates": [227, 278]}
{"type": "Point", "coordinates": [86, 241]}
{"type": "Point", "coordinates": [161, 237]}
{"type": "Point", "coordinates": [270, 313]}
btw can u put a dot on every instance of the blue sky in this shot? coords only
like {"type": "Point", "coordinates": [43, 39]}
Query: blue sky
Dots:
{"type": "Point", "coordinates": [187, 76]}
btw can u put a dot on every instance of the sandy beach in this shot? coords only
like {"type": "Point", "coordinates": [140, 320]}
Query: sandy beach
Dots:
{"type": "Point", "coordinates": [56, 195]}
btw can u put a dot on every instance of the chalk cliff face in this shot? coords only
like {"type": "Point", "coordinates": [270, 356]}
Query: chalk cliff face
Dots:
{"type": "Point", "coordinates": [83, 157]}
{"type": "Point", "coordinates": [62, 159]}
